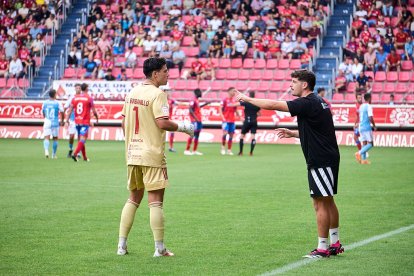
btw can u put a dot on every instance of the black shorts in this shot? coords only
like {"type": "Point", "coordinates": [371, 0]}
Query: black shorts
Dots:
{"type": "Point", "coordinates": [249, 126]}
{"type": "Point", "coordinates": [323, 181]}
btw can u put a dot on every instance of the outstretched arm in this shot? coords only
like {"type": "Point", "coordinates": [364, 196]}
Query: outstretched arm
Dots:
{"type": "Point", "coordinates": [287, 133]}
{"type": "Point", "coordinates": [264, 104]}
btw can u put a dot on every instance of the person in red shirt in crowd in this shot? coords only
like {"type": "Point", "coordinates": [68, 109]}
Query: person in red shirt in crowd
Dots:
{"type": "Point", "coordinates": [258, 48]}
{"type": "Point", "coordinates": [286, 11]}
{"type": "Point", "coordinates": [24, 31]}
{"type": "Point", "coordinates": [294, 24]}
{"type": "Point", "coordinates": [197, 70]}
{"type": "Point", "coordinates": [176, 34]}
{"type": "Point", "coordinates": [313, 34]}
{"type": "Point", "coordinates": [400, 39]}
{"type": "Point", "coordinates": [351, 47]}
{"type": "Point", "coordinates": [365, 35]}
{"type": "Point", "coordinates": [340, 82]}
{"type": "Point", "coordinates": [4, 65]}
{"type": "Point", "coordinates": [305, 59]}
{"type": "Point", "coordinates": [228, 112]}
{"type": "Point", "coordinates": [24, 53]}
{"type": "Point", "coordinates": [190, 25]}
{"type": "Point", "coordinates": [365, 4]}
{"type": "Point", "coordinates": [210, 68]}
{"type": "Point", "coordinates": [393, 61]}
{"type": "Point", "coordinates": [357, 26]}
{"type": "Point", "coordinates": [274, 49]}
{"type": "Point", "coordinates": [373, 15]}
{"type": "Point", "coordinates": [82, 105]}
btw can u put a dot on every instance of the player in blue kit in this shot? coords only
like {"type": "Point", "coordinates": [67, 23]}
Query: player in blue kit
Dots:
{"type": "Point", "coordinates": [51, 109]}
{"type": "Point", "coordinates": [366, 119]}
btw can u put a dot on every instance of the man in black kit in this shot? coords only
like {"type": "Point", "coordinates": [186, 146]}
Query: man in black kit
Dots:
{"type": "Point", "coordinates": [250, 124]}
{"type": "Point", "coordinates": [317, 137]}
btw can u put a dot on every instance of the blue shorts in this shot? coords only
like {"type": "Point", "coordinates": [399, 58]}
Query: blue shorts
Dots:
{"type": "Point", "coordinates": [198, 126]}
{"type": "Point", "coordinates": [82, 130]}
{"type": "Point", "coordinates": [229, 127]}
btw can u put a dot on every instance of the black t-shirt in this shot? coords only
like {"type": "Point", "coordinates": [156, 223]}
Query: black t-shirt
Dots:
{"type": "Point", "coordinates": [316, 131]}
{"type": "Point", "coordinates": [250, 112]}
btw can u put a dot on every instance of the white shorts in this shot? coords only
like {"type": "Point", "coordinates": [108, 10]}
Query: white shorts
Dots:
{"type": "Point", "coordinates": [48, 130]}
{"type": "Point", "coordinates": [365, 136]}
{"type": "Point", "coordinates": [72, 128]}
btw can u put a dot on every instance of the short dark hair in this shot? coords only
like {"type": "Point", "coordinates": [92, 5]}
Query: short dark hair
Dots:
{"type": "Point", "coordinates": [252, 94]}
{"type": "Point", "coordinates": [153, 64]}
{"type": "Point", "coordinates": [230, 88]}
{"type": "Point", "coordinates": [367, 96]}
{"type": "Point", "coordinates": [52, 93]}
{"type": "Point", "coordinates": [305, 76]}
{"type": "Point", "coordinates": [320, 89]}
{"type": "Point", "coordinates": [84, 87]}
{"type": "Point", "coordinates": [77, 84]}
{"type": "Point", "coordinates": [197, 92]}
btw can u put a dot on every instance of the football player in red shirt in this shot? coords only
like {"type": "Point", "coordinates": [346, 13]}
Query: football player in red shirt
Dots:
{"type": "Point", "coordinates": [228, 113]}
{"type": "Point", "coordinates": [82, 105]}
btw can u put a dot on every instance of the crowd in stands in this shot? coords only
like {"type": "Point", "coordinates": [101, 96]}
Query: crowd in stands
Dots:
{"type": "Point", "coordinates": [121, 35]}
{"type": "Point", "coordinates": [381, 39]}
{"type": "Point", "coordinates": [24, 27]}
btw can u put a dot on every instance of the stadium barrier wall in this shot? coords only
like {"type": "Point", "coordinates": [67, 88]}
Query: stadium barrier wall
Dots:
{"type": "Point", "coordinates": [386, 117]}
{"type": "Point", "coordinates": [344, 137]}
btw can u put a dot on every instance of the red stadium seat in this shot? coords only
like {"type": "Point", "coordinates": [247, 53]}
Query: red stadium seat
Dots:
{"type": "Point", "coordinates": [256, 74]}
{"type": "Point", "coordinates": [187, 40]}
{"type": "Point", "coordinates": [279, 75]}
{"type": "Point", "coordinates": [139, 74]}
{"type": "Point", "coordinates": [276, 86]}
{"type": "Point", "coordinates": [287, 75]}
{"type": "Point", "coordinates": [264, 86]}
{"type": "Point", "coordinates": [23, 83]}
{"type": "Point", "coordinates": [69, 73]}
{"type": "Point", "coordinates": [173, 73]}
{"type": "Point", "coordinates": [380, 76]}
{"type": "Point", "coordinates": [221, 74]}
{"type": "Point", "coordinates": [242, 85]}
{"type": "Point", "coordinates": [404, 76]}
{"type": "Point", "coordinates": [260, 95]}
{"type": "Point", "coordinates": [271, 64]}
{"type": "Point", "coordinates": [370, 74]}
{"type": "Point", "coordinates": [138, 51]}
{"type": "Point", "coordinates": [180, 85]}
{"type": "Point", "coordinates": [2, 82]}
{"type": "Point", "coordinates": [232, 74]}
{"type": "Point", "coordinates": [392, 76]}
{"type": "Point", "coordinates": [228, 84]}
{"type": "Point", "coordinates": [272, 96]}
{"type": "Point", "coordinates": [349, 97]}
{"type": "Point", "coordinates": [377, 87]}
{"type": "Point", "coordinates": [267, 75]}
{"type": "Point", "coordinates": [224, 63]}
{"type": "Point", "coordinates": [236, 63]}
{"type": "Point", "coordinates": [129, 72]}
{"type": "Point", "coordinates": [338, 98]}
{"type": "Point", "coordinates": [260, 64]}
{"type": "Point", "coordinates": [407, 65]}
{"type": "Point", "coordinates": [401, 88]}
{"type": "Point", "coordinates": [283, 64]}
{"type": "Point", "coordinates": [286, 86]}
{"type": "Point", "coordinates": [351, 87]}
{"type": "Point", "coordinates": [295, 64]}
{"type": "Point", "coordinates": [389, 87]}
{"type": "Point", "coordinates": [204, 85]}
{"type": "Point", "coordinates": [376, 98]}
{"type": "Point", "coordinates": [244, 74]}
{"type": "Point", "coordinates": [248, 63]}
{"type": "Point", "coordinates": [217, 85]}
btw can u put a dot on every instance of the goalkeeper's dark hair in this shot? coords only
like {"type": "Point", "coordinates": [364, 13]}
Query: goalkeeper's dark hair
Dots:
{"type": "Point", "coordinates": [153, 64]}
{"type": "Point", "coordinates": [197, 92]}
{"type": "Point", "coordinates": [305, 76]}
{"type": "Point", "coordinates": [52, 93]}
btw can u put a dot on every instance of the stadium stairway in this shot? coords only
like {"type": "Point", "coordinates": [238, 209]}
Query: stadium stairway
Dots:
{"type": "Point", "coordinates": [330, 52]}
{"type": "Point", "coordinates": [53, 55]}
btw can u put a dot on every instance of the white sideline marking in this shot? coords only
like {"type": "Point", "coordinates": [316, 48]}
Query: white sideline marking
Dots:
{"type": "Point", "coordinates": [354, 245]}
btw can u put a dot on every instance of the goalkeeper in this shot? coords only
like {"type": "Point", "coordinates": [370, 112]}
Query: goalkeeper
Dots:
{"type": "Point", "coordinates": [145, 122]}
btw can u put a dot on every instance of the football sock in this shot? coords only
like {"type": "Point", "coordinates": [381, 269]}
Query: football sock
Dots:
{"type": "Point", "coordinates": [171, 140]}
{"type": "Point", "coordinates": [160, 245]}
{"type": "Point", "coordinates": [46, 144]}
{"type": "Point", "coordinates": [195, 144]}
{"type": "Point", "coordinates": [157, 221]}
{"type": "Point", "coordinates": [189, 143]}
{"type": "Point", "coordinates": [70, 146]}
{"type": "Point", "coordinates": [323, 243]}
{"type": "Point", "coordinates": [55, 146]}
{"type": "Point", "coordinates": [252, 145]}
{"type": "Point", "coordinates": [79, 147]}
{"type": "Point", "coordinates": [127, 218]}
{"type": "Point", "coordinates": [223, 140]}
{"type": "Point", "coordinates": [84, 152]}
{"type": "Point", "coordinates": [230, 143]}
{"type": "Point", "coordinates": [334, 235]}
{"type": "Point", "coordinates": [241, 145]}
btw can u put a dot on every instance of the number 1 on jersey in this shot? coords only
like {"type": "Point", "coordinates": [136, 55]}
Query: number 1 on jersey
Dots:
{"type": "Point", "coordinates": [136, 120]}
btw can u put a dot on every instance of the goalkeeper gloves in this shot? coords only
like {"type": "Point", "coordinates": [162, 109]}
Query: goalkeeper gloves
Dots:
{"type": "Point", "coordinates": [186, 127]}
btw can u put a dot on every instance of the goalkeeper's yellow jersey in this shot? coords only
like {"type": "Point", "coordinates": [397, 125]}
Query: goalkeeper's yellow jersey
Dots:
{"type": "Point", "coordinates": [144, 140]}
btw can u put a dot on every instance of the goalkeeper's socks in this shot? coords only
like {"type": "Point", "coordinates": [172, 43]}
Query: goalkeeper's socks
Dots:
{"type": "Point", "coordinates": [334, 235]}
{"type": "Point", "coordinates": [252, 145]}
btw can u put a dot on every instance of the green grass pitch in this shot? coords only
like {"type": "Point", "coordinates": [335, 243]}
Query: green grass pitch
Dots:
{"type": "Point", "coordinates": [225, 215]}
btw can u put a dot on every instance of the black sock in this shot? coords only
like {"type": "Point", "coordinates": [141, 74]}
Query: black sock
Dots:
{"type": "Point", "coordinates": [241, 145]}
{"type": "Point", "coordinates": [252, 146]}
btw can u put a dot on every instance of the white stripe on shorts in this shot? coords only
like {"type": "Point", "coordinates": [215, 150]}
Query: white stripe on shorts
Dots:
{"type": "Point", "coordinates": [326, 180]}
{"type": "Point", "coordinates": [331, 176]}
{"type": "Point", "coordinates": [318, 183]}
